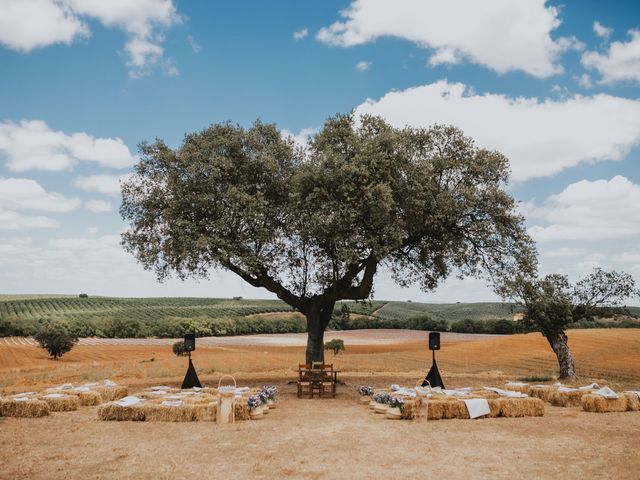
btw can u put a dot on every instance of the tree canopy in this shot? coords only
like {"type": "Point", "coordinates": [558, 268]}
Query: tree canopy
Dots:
{"type": "Point", "coordinates": [314, 225]}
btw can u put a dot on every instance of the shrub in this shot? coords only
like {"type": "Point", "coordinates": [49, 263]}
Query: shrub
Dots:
{"type": "Point", "coordinates": [335, 344]}
{"type": "Point", "coordinates": [178, 349]}
{"type": "Point", "coordinates": [463, 326]}
{"type": "Point", "coordinates": [124, 328]}
{"type": "Point", "coordinates": [83, 295]}
{"type": "Point", "coordinates": [503, 327]}
{"type": "Point", "coordinates": [56, 339]}
{"type": "Point", "coordinates": [81, 328]}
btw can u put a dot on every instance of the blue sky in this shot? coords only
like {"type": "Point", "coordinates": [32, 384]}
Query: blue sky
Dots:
{"type": "Point", "coordinates": [553, 86]}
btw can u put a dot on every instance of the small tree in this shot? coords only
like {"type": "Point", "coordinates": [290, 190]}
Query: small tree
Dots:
{"type": "Point", "coordinates": [56, 339]}
{"type": "Point", "coordinates": [553, 304]}
{"type": "Point", "coordinates": [336, 345]}
{"type": "Point", "coordinates": [178, 348]}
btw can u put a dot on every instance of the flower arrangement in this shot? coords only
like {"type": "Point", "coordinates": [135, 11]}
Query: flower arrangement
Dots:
{"type": "Point", "coordinates": [254, 402]}
{"type": "Point", "coordinates": [396, 402]}
{"type": "Point", "coordinates": [381, 397]}
{"type": "Point", "coordinates": [365, 391]}
{"type": "Point", "coordinates": [268, 392]}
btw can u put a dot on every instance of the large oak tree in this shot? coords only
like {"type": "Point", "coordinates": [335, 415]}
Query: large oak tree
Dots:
{"type": "Point", "coordinates": [315, 225]}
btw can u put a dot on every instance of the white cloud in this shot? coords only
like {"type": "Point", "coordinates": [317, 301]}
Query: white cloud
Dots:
{"type": "Point", "coordinates": [584, 81]}
{"type": "Point", "coordinates": [195, 46]}
{"type": "Point", "coordinates": [27, 194]}
{"type": "Point", "coordinates": [588, 210]}
{"type": "Point", "coordinates": [92, 230]}
{"type": "Point", "coordinates": [502, 35]}
{"type": "Point", "coordinates": [601, 30]}
{"type": "Point", "coordinates": [106, 184]}
{"type": "Point", "coordinates": [564, 252]}
{"type": "Point", "coordinates": [98, 206]}
{"type": "Point", "coordinates": [10, 220]}
{"type": "Point", "coordinates": [540, 138]}
{"type": "Point", "coordinates": [363, 65]}
{"type": "Point", "coordinates": [621, 63]}
{"type": "Point", "coordinates": [27, 25]}
{"type": "Point", "coordinates": [300, 34]}
{"type": "Point", "coordinates": [302, 137]}
{"type": "Point", "coordinates": [32, 145]}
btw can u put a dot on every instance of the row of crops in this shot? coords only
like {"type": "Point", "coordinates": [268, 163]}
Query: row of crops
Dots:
{"type": "Point", "coordinates": [144, 309]}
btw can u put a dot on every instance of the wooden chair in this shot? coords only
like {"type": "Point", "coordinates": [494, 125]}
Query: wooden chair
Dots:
{"type": "Point", "coordinates": [327, 380]}
{"type": "Point", "coordinates": [305, 380]}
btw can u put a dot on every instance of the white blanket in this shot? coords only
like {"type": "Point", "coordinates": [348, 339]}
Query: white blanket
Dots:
{"type": "Point", "coordinates": [54, 395]}
{"type": "Point", "coordinates": [25, 394]}
{"type": "Point", "coordinates": [506, 393]}
{"type": "Point", "coordinates": [477, 407]}
{"type": "Point", "coordinates": [606, 392]}
{"type": "Point", "coordinates": [128, 401]}
{"type": "Point", "coordinates": [109, 383]}
{"type": "Point", "coordinates": [172, 404]}
{"type": "Point", "coordinates": [66, 386]}
{"type": "Point", "coordinates": [516, 384]}
{"type": "Point", "coordinates": [592, 386]}
{"type": "Point", "coordinates": [637, 392]}
{"type": "Point", "coordinates": [160, 387]}
{"type": "Point", "coordinates": [407, 392]}
{"type": "Point", "coordinates": [81, 389]}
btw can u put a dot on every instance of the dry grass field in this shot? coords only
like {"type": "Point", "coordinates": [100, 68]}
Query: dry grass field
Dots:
{"type": "Point", "coordinates": [328, 438]}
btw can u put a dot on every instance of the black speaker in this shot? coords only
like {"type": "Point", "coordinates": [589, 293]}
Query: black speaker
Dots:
{"type": "Point", "coordinates": [434, 340]}
{"type": "Point", "coordinates": [189, 342]}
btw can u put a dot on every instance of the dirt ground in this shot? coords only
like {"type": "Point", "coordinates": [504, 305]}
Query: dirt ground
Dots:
{"type": "Point", "coordinates": [327, 438]}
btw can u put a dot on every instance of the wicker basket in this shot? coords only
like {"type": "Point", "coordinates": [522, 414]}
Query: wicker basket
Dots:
{"type": "Point", "coordinates": [225, 411]}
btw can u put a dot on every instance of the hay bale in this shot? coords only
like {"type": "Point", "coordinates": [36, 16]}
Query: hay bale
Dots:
{"type": "Point", "coordinates": [87, 398]}
{"type": "Point", "coordinates": [241, 410]}
{"type": "Point", "coordinates": [567, 399]}
{"type": "Point", "coordinates": [445, 409]}
{"type": "Point", "coordinates": [160, 413]}
{"type": "Point", "coordinates": [111, 393]}
{"type": "Point", "coordinates": [90, 398]}
{"type": "Point", "coordinates": [113, 412]}
{"type": "Point", "coordinates": [202, 399]}
{"type": "Point", "coordinates": [31, 408]}
{"type": "Point", "coordinates": [61, 403]}
{"type": "Point", "coordinates": [543, 392]}
{"type": "Point", "coordinates": [598, 404]}
{"type": "Point", "coordinates": [633, 401]}
{"type": "Point", "coordinates": [517, 407]}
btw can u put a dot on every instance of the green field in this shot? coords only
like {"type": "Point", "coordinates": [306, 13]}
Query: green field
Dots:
{"type": "Point", "coordinates": [143, 309]}
{"type": "Point", "coordinates": [172, 316]}
{"type": "Point", "coordinates": [450, 312]}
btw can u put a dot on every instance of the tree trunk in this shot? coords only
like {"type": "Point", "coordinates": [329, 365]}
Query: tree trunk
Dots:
{"type": "Point", "coordinates": [318, 318]}
{"type": "Point", "coordinates": [558, 342]}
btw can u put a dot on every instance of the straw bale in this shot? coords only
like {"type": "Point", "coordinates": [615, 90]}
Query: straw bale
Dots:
{"type": "Point", "coordinates": [30, 408]}
{"type": "Point", "coordinates": [567, 399]}
{"type": "Point", "coordinates": [633, 402]}
{"type": "Point", "coordinates": [543, 392]}
{"type": "Point", "coordinates": [110, 394]}
{"type": "Point", "coordinates": [517, 407]}
{"type": "Point", "coordinates": [444, 409]}
{"type": "Point", "coordinates": [154, 412]}
{"type": "Point", "coordinates": [88, 398]}
{"type": "Point", "coordinates": [66, 403]}
{"type": "Point", "coordinates": [202, 399]}
{"type": "Point", "coordinates": [112, 411]}
{"type": "Point", "coordinates": [241, 410]}
{"type": "Point", "coordinates": [519, 388]}
{"type": "Point", "coordinates": [599, 404]}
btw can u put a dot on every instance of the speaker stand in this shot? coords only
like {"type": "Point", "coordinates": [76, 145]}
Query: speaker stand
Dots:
{"type": "Point", "coordinates": [433, 378]}
{"type": "Point", "coordinates": [191, 378]}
